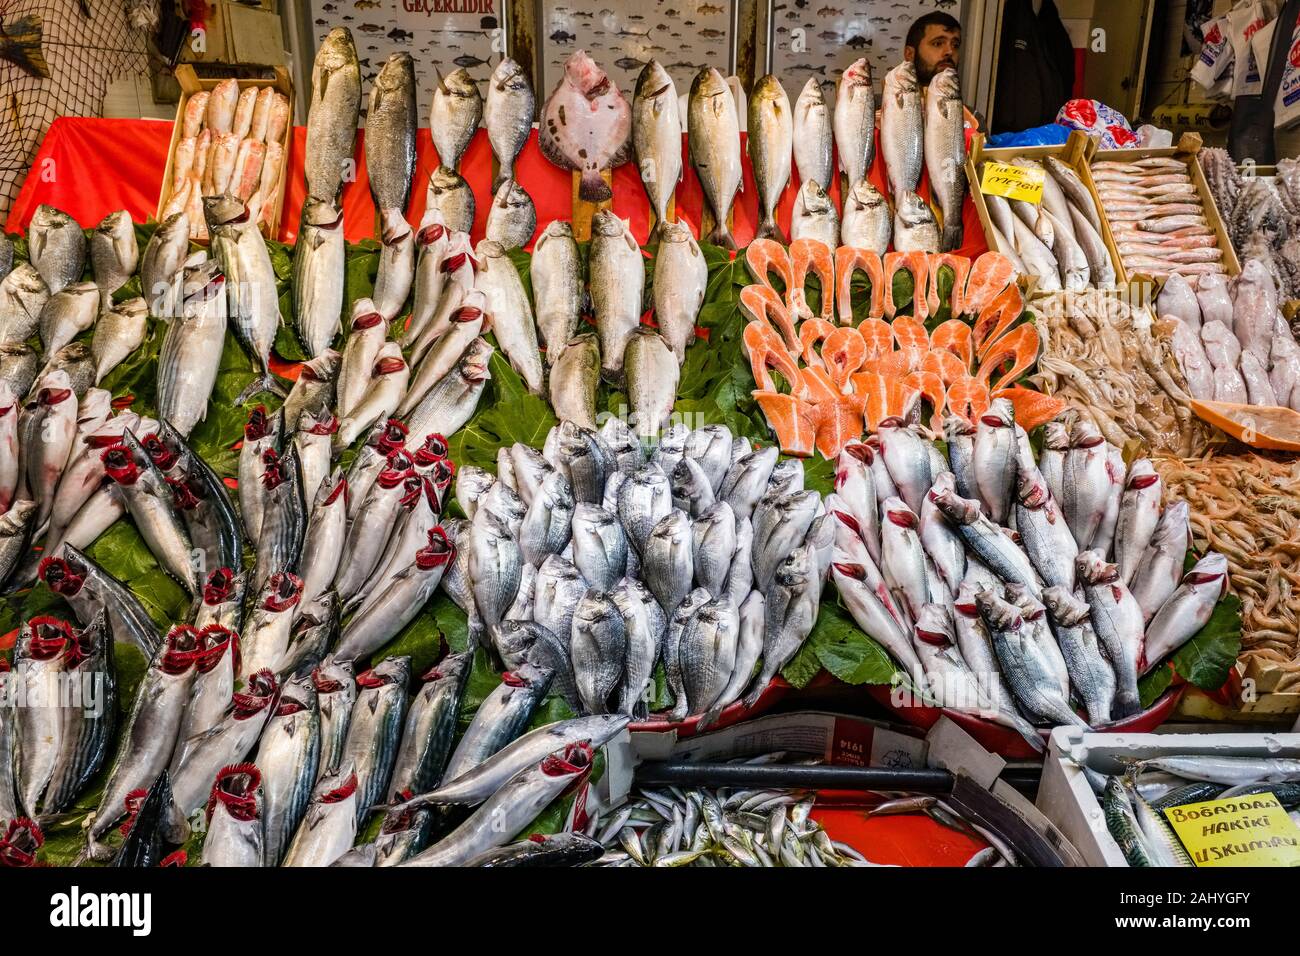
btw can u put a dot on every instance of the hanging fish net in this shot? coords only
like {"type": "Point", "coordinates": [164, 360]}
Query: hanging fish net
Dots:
{"type": "Point", "coordinates": [84, 45]}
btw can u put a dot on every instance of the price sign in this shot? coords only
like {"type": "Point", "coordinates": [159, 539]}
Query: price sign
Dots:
{"type": "Point", "coordinates": [1013, 182]}
{"type": "Point", "coordinates": [1239, 831]}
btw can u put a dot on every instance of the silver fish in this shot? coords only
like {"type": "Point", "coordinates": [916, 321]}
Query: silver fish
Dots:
{"type": "Point", "coordinates": [512, 219]}
{"type": "Point", "coordinates": [867, 222]}
{"type": "Point", "coordinates": [375, 730]}
{"type": "Point", "coordinates": [494, 569]}
{"type": "Point", "coordinates": [600, 547]}
{"type": "Point", "coordinates": [329, 827]}
{"type": "Point", "coordinates": [791, 613]}
{"type": "Point", "coordinates": [812, 135]}
{"type": "Point", "coordinates": [234, 835]}
{"type": "Point", "coordinates": [715, 149]}
{"type": "Point", "coordinates": [987, 542]}
{"type": "Point", "coordinates": [396, 263]}
{"type": "Point", "coordinates": [681, 276]}
{"type": "Point", "coordinates": [708, 653]}
{"type": "Point", "coordinates": [617, 284]}
{"type": "Point", "coordinates": [713, 544]}
{"type": "Point", "coordinates": [389, 377]}
{"type": "Point", "coordinates": [643, 500]}
{"type": "Point", "coordinates": [332, 115]}
{"type": "Point", "coordinates": [746, 481]}
{"type": "Point", "coordinates": [855, 120]}
{"type": "Point", "coordinates": [114, 254]}
{"type": "Point", "coordinates": [452, 198]}
{"type": "Point", "coordinates": [652, 373]}
{"type": "Point", "coordinates": [575, 376]}
{"type": "Point", "coordinates": [67, 314]}
{"type": "Point", "coordinates": [367, 336]}
{"type": "Point", "coordinates": [436, 264]}
{"type": "Point", "coordinates": [508, 116]}
{"type": "Point", "coordinates": [814, 215]}
{"type": "Point", "coordinates": [23, 295]}
{"type": "Point", "coordinates": [510, 809]}
{"type": "Point", "coordinates": [1117, 621]}
{"type": "Point", "coordinates": [454, 115]}
{"type": "Point", "coordinates": [678, 622]}
{"type": "Point", "coordinates": [467, 323]}
{"type": "Point", "coordinates": [545, 529]}
{"type": "Point", "coordinates": [56, 247]}
{"type": "Point", "coordinates": [512, 315]}
{"type": "Point", "coordinates": [710, 445]}
{"type": "Point", "coordinates": [902, 129]}
{"type": "Point", "coordinates": [390, 133]}
{"type": "Point", "coordinates": [162, 263]}
{"type": "Point", "coordinates": [1043, 531]}
{"type": "Point", "coordinates": [1186, 611]}
{"type": "Point", "coordinates": [667, 564]}
{"type": "Point", "coordinates": [657, 140]}
{"type": "Point", "coordinates": [976, 647]}
{"type": "Point", "coordinates": [945, 153]}
{"type": "Point", "coordinates": [1139, 515]}
{"type": "Point", "coordinates": [915, 229]}
{"type": "Point", "coordinates": [119, 331]}
{"type": "Point", "coordinates": [771, 144]}
{"type": "Point", "coordinates": [644, 623]}
{"type": "Point", "coordinates": [599, 649]}
{"type": "Point", "coordinates": [288, 756]}
{"type": "Point", "coordinates": [941, 541]}
{"type": "Point", "coordinates": [906, 456]}
{"type": "Point", "coordinates": [1085, 482]}
{"type": "Point", "coordinates": [1090, 674]}
{"type": "Point", "coordinates": [430, 727]}
{"type": "Point", "coordinates": [500, 719]}
{"type": "Point", "coordinates": [336, 693]}
{"type": "Point", "coordinates": [555, 270]}
{"type": "Point", "coordinates": [253, 303]}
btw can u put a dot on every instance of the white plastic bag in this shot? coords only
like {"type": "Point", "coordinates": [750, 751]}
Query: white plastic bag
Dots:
{"type": "Point", "coordinates": [1244, 21]}
{"type": "Point", "coordinates": [1216, 56]}
{"type": "Point", "coordinates": [1286, 109]}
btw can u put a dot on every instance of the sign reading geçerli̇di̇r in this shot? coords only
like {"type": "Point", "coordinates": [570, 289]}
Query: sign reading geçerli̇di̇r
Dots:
{"type": "Point", "coordinates": [1240, 831]}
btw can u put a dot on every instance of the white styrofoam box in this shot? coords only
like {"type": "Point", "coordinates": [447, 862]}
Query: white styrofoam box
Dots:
{"type": "Point", "coordinates": [1066, 798]}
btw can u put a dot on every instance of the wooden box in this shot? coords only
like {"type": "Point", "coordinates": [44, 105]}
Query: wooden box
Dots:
{"type": "Point", "coordinates": [190, 84]}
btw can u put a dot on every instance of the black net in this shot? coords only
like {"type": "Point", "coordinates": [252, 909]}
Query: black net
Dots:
{"type": "Point", "coordinates": [83, 53]}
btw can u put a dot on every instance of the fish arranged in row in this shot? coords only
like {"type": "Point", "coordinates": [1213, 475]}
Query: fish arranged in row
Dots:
{"type": "Point", "coordinates": [1085, 597]}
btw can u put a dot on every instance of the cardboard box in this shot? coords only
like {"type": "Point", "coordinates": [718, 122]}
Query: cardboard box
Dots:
{"type": "Point", "coordinates": [1074, 153]}
{"type": "Point", "coordinates": [237, 33]}
{"type": "Point", "coordinates": [191, 84]}
{"type": "Point", "coordinates": [1065, 797]}
{"type": "Point", "coordinates": [1186, 150]}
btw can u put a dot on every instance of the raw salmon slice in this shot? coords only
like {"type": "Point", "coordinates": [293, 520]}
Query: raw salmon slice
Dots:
{"type": "Point", "coordinates": [765, 257]}
{"type": "Point", "coordinates": [878, 336]}
{"type": "Point", "coordinates": [817, 385]}
{"type": "Point", "coordinates": [960, 267]}
{"type": "Point", "coordinates": [917, 265]}
{"type": "Point", "coordinates": [954, 337]}
{"type": "Point", "coordinates": [989, 275]}
{"type": "Point", "coordinates": [910, 334]}
{"type": "Point", "coordinates": [793, 421]}
{"type": "Point", "coordinates": [931, 387]}
{"type": "Point", "coordinates": [838, 423]}
{"type": "Point", "coordinates": [811, 256]}
{"type": "Point", "coordinates": [947, 366]}
{"type": "Point", "coordinates": [1035, 408]}
{"type": "Point", "coordinates": [844, 351]}
{"type": "Point", "coordinates": [996, 317]}
{"type": "Point", "coordinates": [850, 260]}
{"type": "Point", "coordinates": [759, 302]}
{"type": "Point", "coordinates": [1019, 347]}
{"type": "Point", "coordinates": [969, 398]}
{"type": "Point", "coordinates": [811, 333]}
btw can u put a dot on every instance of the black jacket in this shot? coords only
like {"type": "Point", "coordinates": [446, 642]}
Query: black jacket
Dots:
{"type": "Point", "coordinates": [1035, 67]}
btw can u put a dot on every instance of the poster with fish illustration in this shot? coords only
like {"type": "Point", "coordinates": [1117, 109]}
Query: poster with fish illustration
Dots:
{"type": "Point", "coordinates": [622, 36]}
{"type": "Point", "coordinates": [439, 34]}
{"type": "Point", "coordinates": [822, 37]}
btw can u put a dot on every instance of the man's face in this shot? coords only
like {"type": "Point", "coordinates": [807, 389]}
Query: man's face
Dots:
{"type": "Point", "coordinates": [939, 50]}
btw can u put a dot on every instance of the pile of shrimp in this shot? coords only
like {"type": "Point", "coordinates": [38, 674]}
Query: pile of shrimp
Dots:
{"type": "Point", "coordinates": [1247, 507]}
{"type": "Point", "coordinates": [1113, 362]}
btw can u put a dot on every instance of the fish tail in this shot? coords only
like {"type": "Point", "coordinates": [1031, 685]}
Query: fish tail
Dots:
{"type": "Point", "coordinates": [953, 232]}
{"type": "Point", "coordinates": [266, 382]}
{"type": "Point", "coordinates": [768, 229]}
{"type": "Point", "coordinates": [657, 233]}
{"type": "Point", "coordinates": [593, 188]}
{"type": "Point", "coordinates": [1126, 703]}
{"type": "Point", "coordinates": [721, 236]}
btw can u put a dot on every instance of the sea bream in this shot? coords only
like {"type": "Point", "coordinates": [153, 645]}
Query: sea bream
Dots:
{"type": "Point", "coordinates": [508, 116]}
{"type": "Point", "coordinates": [454, 115]}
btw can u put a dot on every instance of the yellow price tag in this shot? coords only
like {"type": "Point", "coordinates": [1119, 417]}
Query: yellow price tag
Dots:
{"type": "Point", "coordinates": [1013, 182]}
{"type": "Point", "coordinates": [1239, 831]}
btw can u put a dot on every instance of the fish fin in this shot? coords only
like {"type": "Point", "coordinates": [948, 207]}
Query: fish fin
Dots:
{"type": "Point", "coordinates": [593, 188]}
{"type": "Point", "coordinates": [953, 233]}
{"type": "Point", "coordinates": [768, 229]}
{"type": "Point", "coordinates": [266, 382]}
{"type": "Point", "coordinates": [721, 236]}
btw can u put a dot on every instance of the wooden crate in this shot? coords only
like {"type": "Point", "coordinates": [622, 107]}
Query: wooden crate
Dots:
{"type": "Point", "coordinates": [190, 84]}
{"type": "Point", "coordinates": [1074, 152]}
{"type": "Point", "coordinates": [1186, 150]}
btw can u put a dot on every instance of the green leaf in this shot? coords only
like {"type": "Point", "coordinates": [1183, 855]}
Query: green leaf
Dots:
{"type": "Point", "coordinates": [803, 667]}
{"type": "Point", "coordinates": [846, 651]}
{"type": "Point", "coordinates": [1154, 684]}
{"type": "Point", "coordinates": [507, 413]}
{"type": "Point", "coordinates": [1206, 659]}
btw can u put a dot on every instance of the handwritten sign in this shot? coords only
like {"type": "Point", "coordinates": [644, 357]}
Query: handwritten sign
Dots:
{"type": "Point", "coordinates": [1013, 182]}
{"type": "Point", "coordinates": [1239, 831]}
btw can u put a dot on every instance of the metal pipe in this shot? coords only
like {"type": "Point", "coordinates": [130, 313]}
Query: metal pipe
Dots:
{"type": "Point", "coordinates": [794, 777]}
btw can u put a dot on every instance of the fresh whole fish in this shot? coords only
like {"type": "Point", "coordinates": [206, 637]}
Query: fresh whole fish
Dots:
{"type": "Point", "coordinates": [656, 139]}
{"type": "Point", "coordinates": [389, 377]}
{"type": "Point", "coordinates": [681, 276]}
{"type": "Point", "coordinates": [556, 274]}
{"type": "Point", "coordinates": [814, 215]}
{"type": "Point", "coordinates": [390, 133]}
{"type": "Point", "coordinates": [867, 222]}
{"type": "Point", "coordinates": [771, 145]}
{"type": "Point", "coordinates": [714, 143]}
{"type": "Point", "coordinates": [67, 314]}
{"type": "Point", "coordinates": [318, 274]}
{"type": "Point", "coordinates": [336, 693]}
{"type": "Point", "coordinates": [1085, 482]}
{"type": "Point", "coordinates": [902, 129]}
{"type": "Point", "coordinates": [512, 315]}
{"type": "Point", "coordinates": [450, 196]}
{"type": "Point", "coordinates": [667, 563]}
{"type": "Point", "coordinates": [56, 247]}
{"type": "Point", "coordinates": [500, 719]}
{"type": "Point", "coordinates": [118, 333]}
{"type": "Point", "coordinates": [586, 125]}
{"type": "Point", "coordinates": [1091, 676]}
{"type": "Point", "coordinates": [987, 542]}
{"type": "Point", "coordinates": [855, 120]}
{"type": "Point", "coordinates": [494, 569]}
{"type": "Point", "coordinates": [1043, 531]}
{"type": "Point", "coordinates": [284, 517]}
{"type": "Point", "coordinates": [945, 153]}
{"type": "Point", "coordinates": [234, 835]}
{"type": "Point", "coordinates": [575, 375]}
{"type": "Point", "coordinates": [508, 116]}
{"type": "Point", "coordinates": [1028, 673]}
{"type": "Point", "coordinates": [114, 253]}
{"type": "Point", "coordinates": [1186, 611]}
{"type": "Point", "coordinates": [598, 646]}
{"type": "Point", "coordinates": [23, 295]}
{"type": "Point", "coordinates": [375, 730]}
{"type": "Point", "coordinates": [1161, 566]}
{"type": "Point", "coordinates": [644, 623]}
{"type": "Point", "coordinates": [616, 282]}
{"type": "Point", "coordinates": [813, 135]}
{"type": "Point", "coordinates": [329, 826]}
{"type": "Point", "coordinates": [454, 115]}
{"type": "Point", "coordinates": [652, 372]}
{"type": "Point", "coordinates": [332, 115]}
{"type": "Point", "coordinates": [512, 218]}
{"type": "Point", "coordinates": [430, 728]}
{"type": "Point", "coordinates": [1117, 621]}
{"type": "Point", "coordinates": [1138, 517]}
{"type": "Point", "coordinates": [791, 612]}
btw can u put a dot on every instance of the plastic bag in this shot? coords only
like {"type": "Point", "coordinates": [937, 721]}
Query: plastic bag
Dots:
{"type": "Point", "coordinates": [1244, 22]}
{"type": "Point", "coordinates": [1286, 108]}
{"type": "Point", "coordinates": [1053, 134]}
{"type": "Point", "coordinates": [1216, 56]}
{"type": "Point", "coordinates": [1103, 123]}
{"type": "Point", "coordinates": [1152, 137]}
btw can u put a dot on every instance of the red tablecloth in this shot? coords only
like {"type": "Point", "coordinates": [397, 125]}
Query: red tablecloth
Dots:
{"type": "Point", "coordinates": [91, 167]}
